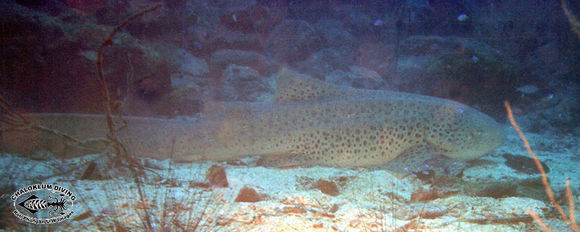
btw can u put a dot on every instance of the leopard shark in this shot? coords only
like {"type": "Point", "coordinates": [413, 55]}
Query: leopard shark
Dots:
{"type": "Point", "coordinates": [309, 122]}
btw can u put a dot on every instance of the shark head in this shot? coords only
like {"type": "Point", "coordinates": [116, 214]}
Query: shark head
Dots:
{"type": "Point", "coordinates": [461, 132]}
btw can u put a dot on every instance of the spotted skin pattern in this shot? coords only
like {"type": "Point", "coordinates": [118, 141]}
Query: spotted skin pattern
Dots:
{"type": "Point", "coordinates": [309, 123]}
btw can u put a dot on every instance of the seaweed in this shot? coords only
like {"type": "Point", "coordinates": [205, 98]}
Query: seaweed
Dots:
{"type": "Point", "coordinates": [570, 219]}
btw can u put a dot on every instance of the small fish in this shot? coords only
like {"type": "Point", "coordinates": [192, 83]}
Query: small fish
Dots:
{"type": "Point", "coordinates": [548, 97]}
{"type": "Point", "coordinates": [475, 59]}
{"type": "Point", "coordinates": [378, 22]}
{"type": "Point", "coordinates": [235, 18]}
{"type": "Point", "coordinates": [462, 17]}
{"type": "Point", "coordinates": [197, 44]}
{"type": "Point", "coordinates": [460, 110]}
{"type": "Point", "coordinates": [527, 89]}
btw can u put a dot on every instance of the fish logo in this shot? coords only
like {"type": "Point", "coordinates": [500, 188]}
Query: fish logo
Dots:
{"type": "Point", "coordinates": [33, 204]}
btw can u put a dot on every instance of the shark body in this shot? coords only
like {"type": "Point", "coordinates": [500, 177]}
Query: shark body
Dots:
{"type": "Point", "coordinates": [309, 123]}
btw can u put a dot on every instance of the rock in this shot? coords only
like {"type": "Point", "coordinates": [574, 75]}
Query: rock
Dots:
{"type": "Point", "coordinates": [463, 70]}
{"type": "Point", "coordinates": [43, 67]}
{"type": "Point", "coordinates": [228, 39]}
{"type": "Point", "coordinates": [429, 45]}
{"type": "Point", "coordinates": [222, 58]}
{"type": "Point", "coordinates": [420, 195]}
{"type": "Point", "coordinates": [248, 194]}
{"type": "Point", "coordinates": [410, 70]}
{"type": "Point", "coordinates": [334, 35]}
{"type": "Point", "coordinates": [355, 20]}
{"type": "Point", "coordinates": [233, 4]}
{"type": "Point", "coordinates": [86, 7]}
{"type": "Point", "coordinates": [52, 7]}
{"type": "Point", "coordinates": [242, 83]}
{"type": "Point", "coordinates": [325, 61]}
{"type": "Point", "coordinates": [326, 187]}
{"type": "Point", "coordinates": [257, 18]}
{"type": "Point", "coordinates": [180, 58]}
{"type": "Point", "coordinates": [92, 173]}
{"type": "Point", "coordinates": [181, 81]}
{"type": "Point", "coordinates": [161, 24]}
{"type": "Point", "coordinates": [292, 40]}
{"type": "Point", "coordinates": [216, 175]}
{"type": "Point", "coordinates": [378, 57]}
{"type": "Point", "coordinates": [551, 111]}
{"type": "Point", "coordinates": [185, 100]}
{"type": "Point", "coordinates": [212, 34]}
{"type": "Point", "coordinates": [191, 65]}
{"type": "Point", "coordinates": [546, 63]}
{"type": "Point", "coordinates": [174, 4]}
{"type": "Point", "coordinates": [111, 14]}
{"type": "Point", "coordinates": [565, 115]}
{"type": "Point", "coordinates": [56, 57]}
{"type": "Point", "coordinates": [153, 85]}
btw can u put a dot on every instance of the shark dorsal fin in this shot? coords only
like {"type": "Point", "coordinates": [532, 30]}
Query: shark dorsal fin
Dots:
{"type": "Point", "coordinates": [292, 86]}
